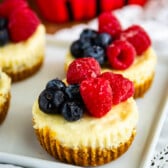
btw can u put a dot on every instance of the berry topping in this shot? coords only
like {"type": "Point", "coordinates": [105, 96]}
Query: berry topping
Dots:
{"type": "Point", "coordinates": [57, 98]}
{"type": "Point", "coordinates": [46, 102]}
{"type": "Point", "coordinates": [22, 24]}
{"type": "Point", "coordinates": [108, 23]}
{"type": "Point", "coordinates": [96, 52]}
{"type": "Point", "coordinates": [122, 87]}
{"type": "Point", "coordinates": [72, 111]}
{"type": "Point", "coordinates": [3, 23]}
{"type": "Point", "coordinates": [97, 96]}
{"type": "Point", "coordinates": [55, 84]}
{"type": "Point", "coordinates": [4, 37]}
{"type": "Point", "coordinates": [120, 54]}
{"type": "Point", "coordinates": [103, 39]}
{"type": "Point", "coordinates": [8, 6]}
{"type": "Point", "coordinates": [138, 37]}
{"type": "Point", "coordinates": [81, 69]}
{"type": "Point", "coordinates": [77, 48]}
{"type": "Point", "coordinates": [88, 35]}
{"type": "Point", "coordinates": [73, 92]}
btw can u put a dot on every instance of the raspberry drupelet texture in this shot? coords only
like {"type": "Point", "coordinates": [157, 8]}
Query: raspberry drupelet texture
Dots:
{"type": "Point", "coordinates": [81, 69]}
{"type": "Point", "coordinates": [22, 24]}
{"type": "Point", "coordinates": [122, 87]}
{"type": "Point", "coordinates": [108, 23]}
{"type": "Point", "coordinates": [97, 96]}
{"type": "Point", "coordinates": [138, 37]}
{"type": "Point", "coordinates": [121, 54]}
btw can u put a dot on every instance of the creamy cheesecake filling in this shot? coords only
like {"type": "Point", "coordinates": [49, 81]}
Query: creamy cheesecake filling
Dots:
{"type": "Point", "coordinates": [18, 56]}
{"type": "Point", "coordinates": [142, 68]}
{"type": "Point", "coordinates": [5, 85]}
{"type": "Point", "coordinates": [111, 130]}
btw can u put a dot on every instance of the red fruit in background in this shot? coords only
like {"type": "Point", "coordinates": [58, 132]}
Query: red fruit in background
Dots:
{"type": "Point", "coordinates": [108, 23]}
{"type": "Point", "coordinates": [122, 88]}
{"type": "Point", "coordinates": [138, 2]}
{"type": "Point", "coordinates": [78, 7]}
{"type": "Point", "coordinates": [138, 37]}
{"type": "Point", "coordinates": [53, 10]}
{"type": "Point", "coordinates": [81, 69]}
{"type": "Point", "coordinates": [22, 24]}
{"type": "Point", "coordinates": [90, 7]}
{"type": "Point", "coordinates": [120, 54]}
{"type": "Point", "coordinates": [83, 9]}
{"type": "Point", "coordinates": [108, 5]}
{"type": "Point", "coordinates": [97, 96]}
{"type": "Point", "coordinates": [8, 6]}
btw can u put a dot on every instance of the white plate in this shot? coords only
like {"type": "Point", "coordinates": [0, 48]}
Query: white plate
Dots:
{"type": "Point", "coordinates": [18, 143]}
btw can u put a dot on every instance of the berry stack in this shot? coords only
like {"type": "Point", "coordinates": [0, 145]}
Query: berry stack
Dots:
{"type": "Point", "coordinates": [110, 44]}
{"type": "Point", "coordinates": [123, 51]}
{"type": "Point", "coordinates": [17, 21]}
{"type": "Point", "coordinates": [87, 90]}
{"type": "Point", "coordinates": [57, 98]}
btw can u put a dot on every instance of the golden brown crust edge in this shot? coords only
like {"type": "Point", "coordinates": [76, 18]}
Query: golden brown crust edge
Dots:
{"type": "Point", "coordinates": [141, 89]}
{"type": "Point", "coordinates": [83, 156]}
{"type": "Point", "coordinates": [27, 72]}
{"type": "Point", "coordinates": [4, 108]}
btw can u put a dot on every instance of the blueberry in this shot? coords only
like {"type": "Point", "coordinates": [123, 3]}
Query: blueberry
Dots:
{"type": "Point", "coordinates": [3, 23]}
{"type": "Point", "coordinates": [55, 84]}
{"type": "Point", "coordinates": [76, 49]}
{"type": "Point", "coordinates": [88, 35]}
{"type": "Point", "coordinates": [45, 101]}
{"type": "Point", "coordinates": [59, 98]}
{"type": "Point", "coordinates": [73, 92]}
{"type": "Point", "coordinates": [4, 37]}
{"type": "Point", "coordinates": [72, 111]}
{"type": "Point", "coordinates": [96, 52]}
{"type": "Point", "coordinates": [50, 100]}
{"type": "Point", "coordinates": [103, 39]}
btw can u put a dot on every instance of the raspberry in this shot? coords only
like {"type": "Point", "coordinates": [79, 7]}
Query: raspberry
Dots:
{"type": "Point", "coordinates": [120, 54]}
{"type": "Point", "coordinates": [81, 69]}
{"type": "Point", "coordinates": [108, 23]}
{"type": "Point", "coordinates": [8, 6]}
{"type": "Point", "coordinates": [53, 10]}
{"type": "Point", "coordinates": [22, 24]}
{"type": "Point", "coordinates": [122, 88]}
{"type": "Point", "coordinates": [97, 96]}
{"type": "Point", "coordinates": [137, 36]}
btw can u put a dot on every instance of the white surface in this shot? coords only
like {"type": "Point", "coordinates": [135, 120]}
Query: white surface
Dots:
{"type": "Point", "coordinates": [17, 135]}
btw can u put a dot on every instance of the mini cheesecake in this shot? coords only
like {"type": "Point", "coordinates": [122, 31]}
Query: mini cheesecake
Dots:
{"type": "Point", "coordinates": [5, 86]}
{"type": "Point", "coordinates": [89, 141]}
{"type": "Point", "coordinates": [21, 60]}
{"type": "Point", "coordinates": [22, 40]}
{"type": "Point", "coordinates": [86, 119]}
